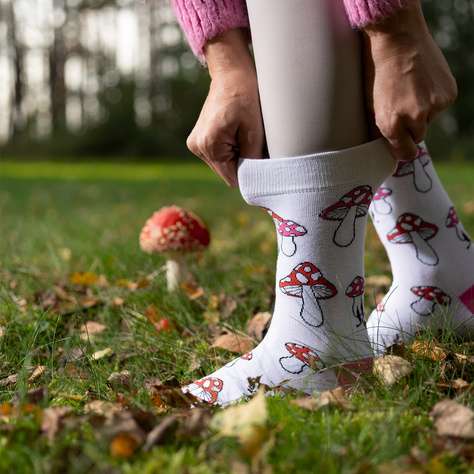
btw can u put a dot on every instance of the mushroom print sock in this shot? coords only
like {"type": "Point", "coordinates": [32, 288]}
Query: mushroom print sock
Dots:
{"type": "Point", "coordinates": [431, 255]}
{"type": "Point", "coordinates": [317, 336]}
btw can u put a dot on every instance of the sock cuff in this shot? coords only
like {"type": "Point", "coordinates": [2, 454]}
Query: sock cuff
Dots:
{"type": "Point", "coordinates": [265, 177]}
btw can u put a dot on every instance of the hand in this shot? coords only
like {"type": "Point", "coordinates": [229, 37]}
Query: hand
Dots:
{"type": "Point", "coordinates": [407, 80]}
{"type": "Point", "coordinates": [230, 124]}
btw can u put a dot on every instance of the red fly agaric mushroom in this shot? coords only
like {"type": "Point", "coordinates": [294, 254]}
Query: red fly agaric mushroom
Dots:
{"type": "Point", "coordinates": [352, 205]}
{"type": "Point", "coordinates": [308, 283]}
{"type": "Point", "coordinates": [356, 291]}
{"type": "Point", "coordinates": [174, 231]}
{"type": "Point", "coordinates": [380, 204]}
{"type": "Point", "coordinates": [300, 358]}
{"type": "Point", "coordinates": [288, 230]}
{"type": "Point", "coordinates": [421, 178]}
{"type": "Point", "coordinates": [412, 229]}
{"type": "Point", "coordinates": [453, 221]}
{"type": "Point", "coordinates": [430, 297]}
{"type": "Point", "coordinates": [206, 389]}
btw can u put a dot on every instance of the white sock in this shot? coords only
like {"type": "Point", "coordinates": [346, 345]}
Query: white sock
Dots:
{"type": "Point", "coordinates": [433, 267]}
{"type": "Point", "coordinates": [314, 327]}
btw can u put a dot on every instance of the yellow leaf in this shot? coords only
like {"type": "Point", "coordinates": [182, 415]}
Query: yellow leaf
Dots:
{"type": "Point", "coordinates": [390, 369]}
{"type": "Point", "coordinates": [428, 350]}
{"type": "Point", "coordinates": [83, 278]}
{"type": "Point", "coordinates": [123, 446]}
{"type": "Point", "coordinates": [192, 290]}
{"type": "Point", "coordinates": [107, 352]}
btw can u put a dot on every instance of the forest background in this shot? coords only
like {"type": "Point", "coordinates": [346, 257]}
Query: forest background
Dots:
{"type": "Point", "coordinates": [115, 80]}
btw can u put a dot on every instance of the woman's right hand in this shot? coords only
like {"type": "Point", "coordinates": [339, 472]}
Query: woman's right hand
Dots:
{"type": "Point", "coordinates": [230, 124]}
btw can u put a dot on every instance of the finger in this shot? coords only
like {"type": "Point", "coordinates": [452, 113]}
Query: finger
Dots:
{"type": "Point", "coordinates": [402, 146]}
{"type": "Point", "coordinates": [251, 143]}
{"type": "Point", "coordinates": [228, 172]}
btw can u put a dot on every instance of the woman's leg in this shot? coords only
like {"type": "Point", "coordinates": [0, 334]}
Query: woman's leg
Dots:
{"type": "Point", "coordinates": [308, 63]}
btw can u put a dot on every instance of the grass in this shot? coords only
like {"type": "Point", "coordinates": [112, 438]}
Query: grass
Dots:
{"type": "Point", "coordinates": [59, 219]}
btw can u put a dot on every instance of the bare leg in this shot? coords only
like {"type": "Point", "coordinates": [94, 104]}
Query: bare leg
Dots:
{"type": "Point", "coordinates": [310, 78]}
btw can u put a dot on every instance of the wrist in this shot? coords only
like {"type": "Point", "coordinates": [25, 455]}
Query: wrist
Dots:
{"type": "Point", "coordinates": [229, 53]}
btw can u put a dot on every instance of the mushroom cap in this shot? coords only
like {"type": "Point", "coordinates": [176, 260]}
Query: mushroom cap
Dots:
{"type": "Point", "coordinates": [304, 354]}
{"type": "Point", "coordinates": [408, 223]}
{"type": "Point", "coordinates": [291, 229]}
{"type": "Point", "coordinates": [174, 229]}
{"type": "Point", "coordinates": [431, 293]}
{"type": "Point", "coordinates": [360, 196]}
{"type": "Point", "coordinates": [356, 288]}
{"type": "Point", "coordinates": [306, 274]}
{"type": "Point", "coordinates": [405, 168]}
{"type": "Point", "coordinates": [382, 193]}
{"type": "Point", "coordinates": [453, 219]}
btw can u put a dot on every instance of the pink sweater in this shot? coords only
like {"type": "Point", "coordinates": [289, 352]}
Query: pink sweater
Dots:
{"type": "Point", "coordinates": [201, 20]}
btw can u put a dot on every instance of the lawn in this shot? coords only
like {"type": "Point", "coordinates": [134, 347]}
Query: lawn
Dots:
{"type": "Point", "coordinates": [80, 302]}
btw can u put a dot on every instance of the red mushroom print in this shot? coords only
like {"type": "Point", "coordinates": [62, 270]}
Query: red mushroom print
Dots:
{"type": "Point", "coordinates": [352, 205]}
{"type": "Point", "coordinates": [206, 389]}
{"type": "Point", "coordinates": [429, 298]}
{"type": "Point", "coordinates": [421, 178]}
{"type": "Point", "coordinates": [356, 291]}
{"type": "Point", "coordinates": [380, 203]}
{"type": "Point", "coordinates": [412, 229]}
{"type": "Point", "coordinates": [288, 230]}
{"type": "Point", "coordinates": [174, 231]}
{"type": "Point", "coordinates": [300, 358]}
{"type": "Point", "coordinates": [308, 283]}
{"type": "Point", "coordinates": [453, 221]}
{"type": "Point", "coordinates": [246, 356]}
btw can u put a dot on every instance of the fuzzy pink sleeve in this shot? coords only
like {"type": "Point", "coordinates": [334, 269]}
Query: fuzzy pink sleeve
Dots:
{"type": "Point", "coordinates": [363, 12]}
{"type": "Point", "coordinates": [201, 20]}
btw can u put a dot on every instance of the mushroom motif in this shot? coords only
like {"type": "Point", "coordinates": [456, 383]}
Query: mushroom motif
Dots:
{"type": "Point", "coordinates": [274, 216]}
{"type": "Point", "coordinates": [174, 231]}
{"type": "Point", "coordinates": [379, 203]}
{"type": "Point", "coordinates": [246, 356]}
{"type": "Point", "coordinates": [453, 221]}
{"type": "Point", "coordinates": [412, 229]}
{"type": "Point", "coordinates": [352, 205]}
{"type": "Point", "coordinates": [356, 291]}
{"type": "Point", "coordinates": [288, 230]}
{"type": "Point", "coordinates": [206, 389]}
{"type": "Point", "coordinates": [421, 178]}
{"type": "Point", "coordinates": [308, 283]}
{"type": "Point", "coordinates": [300, 358]}
{"type": "Point", "coordinates": [430, 297]}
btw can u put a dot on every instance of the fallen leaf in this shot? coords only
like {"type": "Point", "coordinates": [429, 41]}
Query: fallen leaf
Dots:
{"type": "Point", "coordinates": [428, 350]}
{"type": "Point", "coordinates": [83, 278]}
{"type": "Point", "coordinates": [119, 380]}
{"type": "Point", "coordinates": [334, 397]}
{"type": "Point", "coordinates": [162, 433]}
{"type": "Point", "coordinates": [100, 407]}
{"type": "Point", "coordinates": [453, 419]}
{"type": "Point", "coordinates": [232, 342]}
{"type": "Point", "coordinates": [10, 380]}
{"type": "Point", "coordinates": [196, 424]}
{"type": "Point", "coordinates": [107, 352]}
{"type": "Point", "coordinates": [258, 325]}
{"type": "Point", "coordinates": [75, 372]}
{"type": "Point", "coordinates": [90, 329]}
{"type": "Point", "coordinates": [246, 423]}
{"type": "Point", "coordinates": [123, 446]}
{"type": "Point", "coordinates": [116, 302]}
{"type": "Point", "coordinates": [39, 371]}
{"type": "Point", "coordinates": [390, 369]}
{"type": "Point", "coordinates": [53, 420]}
{"type": "Point", "coordinates": [163, 325]}
{"type": "Point", "coordinates": [192, 290]}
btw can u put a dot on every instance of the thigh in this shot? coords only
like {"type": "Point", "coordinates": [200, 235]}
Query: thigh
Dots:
{"type": "Point", "coordinates": [309, 68]}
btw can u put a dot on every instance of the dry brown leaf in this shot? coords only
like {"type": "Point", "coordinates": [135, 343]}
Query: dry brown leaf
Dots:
{"type": "Point", "coordinates": [2, 331]}
{"type": "Point", "coordinates": [428, 350]}
{"type": "Point", "coordinates": [192, 290]}
{"type": "Point", "coordinates": [453, 419]}
{"type": "Point", "coordinates": [123, 446]}
{"type": "Point", "coordinates": [232, 342]}
{"type": "Point", "coordinates": [116, 302]}
{"type": "Point", "coordinates": [258, 325]}
{"type": "Point", "coordinates": [100, 407]}
{"type": "Point", "coordinates": [334, 397]}
{"type": "Point", "coordinates": [83, 278]}
{"type": "Point", "coordinates": [8, 381]}
{"type": "Point", "coordinates": [39, 371]}
{"type": "Point", "coordinates": [53, 420]}
{"type": "Point", "coordinates": [90, 329]}
{"type": "Point", "coordinates": [107, 352]}
{"type": "Point", "coordinates": [162, 433]}
{"type": "Point", "coordinates": [75, 372]}
{"type": "Point", "coordinates": [120, 380]}
{"type": "Point", "coordinates": [390, 369]}
{"type": "Point", "coordinates": [196, 424]}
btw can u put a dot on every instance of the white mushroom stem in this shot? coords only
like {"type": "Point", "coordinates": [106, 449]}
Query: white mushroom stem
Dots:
{"type": "Point", "coordinates": [292, 364]}
{"type": "Point", "coordinates": [176, 270]}
{"type": "Point", "coordinates": [345, 233]}
{"type": "Point", "coordinates": [424, 252]}
{"type": "Point", "coordinates": [288, 246]}
{"type": "Point", "coordinates": [421, 179]}
{"type": "Point", "coordinates": [382, 206]}
{"type": "Point", "coordinates": [310, 309]}
{"type": "Point", "coordinates": [358, 310]}
{"type": "Point", "coordinates": [423, 307]}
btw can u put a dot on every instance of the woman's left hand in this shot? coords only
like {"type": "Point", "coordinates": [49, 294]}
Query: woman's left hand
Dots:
{"type": "Point", "coordinates": [407, 80]}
